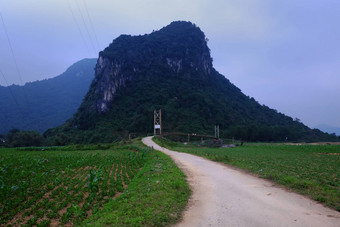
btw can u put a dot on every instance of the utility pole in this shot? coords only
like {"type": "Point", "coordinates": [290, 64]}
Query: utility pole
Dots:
{"type": "Point", "coordinates": [157, 122]}
{"type": "Point", "coordinates": [217, 131]}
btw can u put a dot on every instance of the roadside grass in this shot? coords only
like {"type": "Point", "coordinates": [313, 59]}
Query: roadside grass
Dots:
{"type": "Point", "coordinates": [312, 170]}
{"type": "Point", "coordinates": [67, 185]}
{"type": "Point", "coordinates": [155, 197]}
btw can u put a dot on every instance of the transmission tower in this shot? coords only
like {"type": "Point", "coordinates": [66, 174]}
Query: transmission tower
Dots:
{"type": "Point", "coordinates": [157, 116]}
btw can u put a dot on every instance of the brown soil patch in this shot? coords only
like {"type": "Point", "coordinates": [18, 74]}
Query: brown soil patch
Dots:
{"type": "Point", "coordinates": [121, 176]}
{"type": "Point", "coordinates": [116, 170]}
{"type": "Point", "coordinates": [63, 210]}
{"type": "Point", "coordinates": [126, 172]}
{"type": "Point", "coordinates": [110, 178]}
{"type": "Point", "coordinates": [54, 223]}
{"type": "Point", "coordinates": [132, 173]}
{"type": "Point", "coordinates": [81, 204]}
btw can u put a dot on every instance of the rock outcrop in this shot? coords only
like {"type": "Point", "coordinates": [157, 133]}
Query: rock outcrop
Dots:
{"type": "Point", "coordinates": [185, 54]}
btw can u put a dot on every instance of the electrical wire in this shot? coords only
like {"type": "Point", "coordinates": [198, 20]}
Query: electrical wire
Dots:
{"type": "Point", "coordinates": [91, 24]}
{"type": "Point", "coordinates": [78, 27]}
{"type": "Point", "coordinates": [86, 27]}
{"type": "Point", "coordinates": [10, 46]}
{"type": "Point", "coordinates": [13, 56]}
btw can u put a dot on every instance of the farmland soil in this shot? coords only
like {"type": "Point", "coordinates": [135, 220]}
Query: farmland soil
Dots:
{"type": "Point", "coordinates": [224, 196]}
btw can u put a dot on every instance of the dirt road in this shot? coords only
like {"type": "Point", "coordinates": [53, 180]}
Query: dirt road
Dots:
{"type": "Point", "coordinates": [223, 196]}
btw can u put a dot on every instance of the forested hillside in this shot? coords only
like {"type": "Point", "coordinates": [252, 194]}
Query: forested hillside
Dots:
{"type": "Point", "coordinates": [48, 103]}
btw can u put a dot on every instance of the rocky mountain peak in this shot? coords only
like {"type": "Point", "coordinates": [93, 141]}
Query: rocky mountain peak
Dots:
{"type": "Point", "coordinates": [179, 49]}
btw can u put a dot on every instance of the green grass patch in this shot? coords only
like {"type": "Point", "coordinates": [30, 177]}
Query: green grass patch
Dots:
{"type": "Point", "coordinates": [156, 197]}
{"type": "Point", "coordinates": [312, 170]}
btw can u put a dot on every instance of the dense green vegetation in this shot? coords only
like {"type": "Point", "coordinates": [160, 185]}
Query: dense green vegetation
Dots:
{"type": "Point", "coordinates": [171, 69]}
{"type": "Point", "coordinates": [17, 138]}
{"type": "Point", "coordinates": [40, 105]}
{"type": "Point", "coordinates": [312, 170]}
{"type": "Point", "coordinates": [67, 185]}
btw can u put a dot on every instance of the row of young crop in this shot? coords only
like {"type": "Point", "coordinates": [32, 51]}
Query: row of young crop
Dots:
{"type": "Point", "coordinates": [43, 188]}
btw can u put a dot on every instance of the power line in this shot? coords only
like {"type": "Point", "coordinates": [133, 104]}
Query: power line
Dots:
{"type": "Point", "coordinates": [14, 59]}
{"type": "Point", "coordinates": [78, 27]}
{"type": "Point", "coordinates": [26, 123]}
{"type": "Point", "coordinates": [3, 76]}
{"type": "Point", "coordinates": [91, 24]}
{"type": "Point", "coordinates": [85, 25]}
{"type": "Point", "coordinates": [10, 46]}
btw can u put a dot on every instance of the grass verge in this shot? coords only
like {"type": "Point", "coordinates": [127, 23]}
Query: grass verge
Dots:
{"type": "Point", "coordinates": [312, 170]}
{"type": "Point", "coordinates": [155, 197]}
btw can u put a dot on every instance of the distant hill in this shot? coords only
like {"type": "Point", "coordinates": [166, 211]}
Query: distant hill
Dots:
{"type": "Point", "coordinates": [171, 69]}
{"type": "Point", "coordinates": [329, 129]}
{"type": "Point", "coordinates": [48, 103]}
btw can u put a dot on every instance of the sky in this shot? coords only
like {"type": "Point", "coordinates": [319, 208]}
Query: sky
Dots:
{"type": "Point", "coordinates": [285, 54]}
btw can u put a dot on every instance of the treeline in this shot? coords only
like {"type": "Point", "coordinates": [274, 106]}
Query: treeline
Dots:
{"type": "Point", "coordinates": [261, 133]}
{"type": "Point", "coordinates": [17, 138]}
{"type": "Point", "coordinates": [251, 133]}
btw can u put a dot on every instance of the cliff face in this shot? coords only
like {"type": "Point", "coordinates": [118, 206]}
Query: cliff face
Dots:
{"type": "Point", "coordinates": [108, 79]}
{"type": "Point", "coordinates": [184, 53]}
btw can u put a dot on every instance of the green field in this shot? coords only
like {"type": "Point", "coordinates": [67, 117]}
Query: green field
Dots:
{"type": "Point", "coordinates": [312, 170]}
{"type": "Point", "coordinates": [95, 184]}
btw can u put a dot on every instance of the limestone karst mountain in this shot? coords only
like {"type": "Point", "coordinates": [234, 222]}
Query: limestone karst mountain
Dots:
{"type": "Point", "coordinates": [170, 69]}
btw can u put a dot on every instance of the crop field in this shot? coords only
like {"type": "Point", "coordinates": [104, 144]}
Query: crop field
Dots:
{"type": "Point", "coordinates": [63, 185]}
{"type": "Point", "coordinates": [312, 170]}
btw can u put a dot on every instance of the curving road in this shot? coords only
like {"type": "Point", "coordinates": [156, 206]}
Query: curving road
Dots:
{"type": "Point", "coordinates": [223, 196]}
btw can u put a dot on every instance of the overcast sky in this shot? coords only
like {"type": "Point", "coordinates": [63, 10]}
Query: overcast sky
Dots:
{"type": "Point", "coordinates": [285, 54]}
